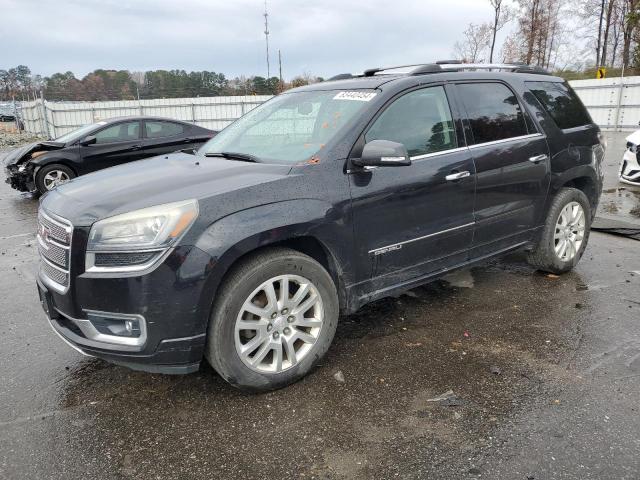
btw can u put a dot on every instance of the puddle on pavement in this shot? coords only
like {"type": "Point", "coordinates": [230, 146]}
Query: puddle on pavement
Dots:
{"type": "Point", "coordinates": [623, 202]}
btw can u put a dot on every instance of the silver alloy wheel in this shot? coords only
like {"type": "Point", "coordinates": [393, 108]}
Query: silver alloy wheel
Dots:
{"type": "Point", "coordinates": [54, 178]}
{"type": "Point", "coordinates": [278, 324]}
{"type": "Point", "coordinates": [569, 233]}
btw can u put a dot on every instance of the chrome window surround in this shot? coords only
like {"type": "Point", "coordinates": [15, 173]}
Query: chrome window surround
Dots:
{"type": "Point", "coordinates": [59, 224]}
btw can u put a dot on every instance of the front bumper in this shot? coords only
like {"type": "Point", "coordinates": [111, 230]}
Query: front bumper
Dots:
{"type": "Point", "coordinates": [169, 302]}
{"type": "Point", "coordinates": [21, 181]}
{"type": "Point", "coordinates": [629, 168]}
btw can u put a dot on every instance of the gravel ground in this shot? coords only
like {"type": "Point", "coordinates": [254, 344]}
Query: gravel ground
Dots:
{"type": "Point", "coordinates": [10, 140]}
{"type": "Point", "coordinates": [498, 372]}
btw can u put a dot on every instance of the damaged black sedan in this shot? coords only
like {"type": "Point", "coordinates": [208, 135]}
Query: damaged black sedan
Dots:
{"type": "Point", "coordinates": [42, 166]}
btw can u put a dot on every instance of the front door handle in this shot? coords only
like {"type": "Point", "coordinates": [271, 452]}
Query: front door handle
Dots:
{"type": "Point", "coordinates": [136, 147]}
{"type": "Point", "coordinates": [457, 176]}
{"type": "Point", "coordinates": [539, 158]}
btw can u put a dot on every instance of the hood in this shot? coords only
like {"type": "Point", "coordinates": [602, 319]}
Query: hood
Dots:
{"type": "Point", "coordinates": [17, 155]}
{"type": "Point", "coordinates": [154, 181]}
{"type": "Point", "coordinates": [634, 138]}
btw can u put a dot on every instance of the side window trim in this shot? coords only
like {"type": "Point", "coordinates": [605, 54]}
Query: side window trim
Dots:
{"type": "Point", "coordinates": [456, 116]}
{"type": "Point", "coordinates": [465, 114]}
{"type": "Point", "coordinates": [505, 140]}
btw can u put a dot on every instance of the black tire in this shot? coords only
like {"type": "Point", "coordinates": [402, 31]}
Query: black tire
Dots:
{"type": "Point", "coordinates": [544, 256]}
{"type": "Point", "coordinates": [42, 172]}
{"type": "Point", "coordinates": [238, 285]}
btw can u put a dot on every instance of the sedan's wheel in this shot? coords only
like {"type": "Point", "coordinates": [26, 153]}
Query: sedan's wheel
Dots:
{"type": "Point", "coordinates": [279, 323]}
{"type": "Point", "coordinates": [55, 178]}
{"type": "Point", "coordinates": [273, 320]}
{"type": "Point", "coordinates": [52, 176]}
{"type": "Point", "coordinates": [565, 233]}
{"type": "Point", "coordinates": [569, 232]}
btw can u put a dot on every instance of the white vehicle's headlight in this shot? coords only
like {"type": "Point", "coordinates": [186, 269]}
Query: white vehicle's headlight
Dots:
{"type": "Point", "coordinates": [117, 243]}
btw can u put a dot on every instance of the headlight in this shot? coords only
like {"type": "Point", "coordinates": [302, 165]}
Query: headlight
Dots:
{"type": "Point", "coordinates": [134, 240]}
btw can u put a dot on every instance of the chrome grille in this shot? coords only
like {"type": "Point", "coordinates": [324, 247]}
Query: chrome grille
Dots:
{"type": "Point", "coordinates": [54, 246]}
{"type": "Point", "coordinates": [55, 274]}
{"type": "Point", "coordinates": [57, 230]}
{"type": "Point", "coordinates": [56, 253]}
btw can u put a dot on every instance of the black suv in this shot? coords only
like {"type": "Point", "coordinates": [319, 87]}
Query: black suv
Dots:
{"type": "Point", "coordinates": [320, 200]}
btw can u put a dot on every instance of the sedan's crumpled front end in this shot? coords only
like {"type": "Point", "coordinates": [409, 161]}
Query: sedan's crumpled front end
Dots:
{"type": "Point", "coordinates": [629, 172]}
{"type": "Point", "coordinates": [18, 168]}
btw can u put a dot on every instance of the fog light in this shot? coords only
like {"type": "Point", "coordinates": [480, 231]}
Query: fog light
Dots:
{"type": "Point", "coordinates": [119, 326]}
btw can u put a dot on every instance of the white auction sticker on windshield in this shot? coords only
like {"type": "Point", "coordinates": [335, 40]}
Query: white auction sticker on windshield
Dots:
{"type": "Point", "coordinates": [359, 96]}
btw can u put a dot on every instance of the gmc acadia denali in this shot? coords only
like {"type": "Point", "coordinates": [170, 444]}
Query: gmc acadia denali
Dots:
{"type": "Point", "coordinates": [320, 200]}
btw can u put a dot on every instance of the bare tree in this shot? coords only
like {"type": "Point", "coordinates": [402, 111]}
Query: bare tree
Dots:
{"type": "Point", "coordinates": [502, 14]}
{"type": "Point", "coordinates": [476, 41]}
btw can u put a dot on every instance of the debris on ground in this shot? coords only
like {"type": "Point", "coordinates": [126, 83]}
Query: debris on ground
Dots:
{"type": "Point", "coordinates": [460, 279]}
{"type": "Point", "coordinates": [494, 369]}
{"type": "Point", "coordinates": [447, 399]}
{"type": "Point", "coordinates": [10, 140]}
{"type": "Point", "coordinates": [339, 376]}
{"type": "Point", "coordinates": [552, 275]}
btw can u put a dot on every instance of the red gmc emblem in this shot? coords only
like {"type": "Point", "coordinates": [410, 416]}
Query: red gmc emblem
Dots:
{"type": "Point", "coordinates": [44, 233]}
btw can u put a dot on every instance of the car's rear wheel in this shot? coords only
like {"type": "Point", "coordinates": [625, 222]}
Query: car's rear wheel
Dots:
{"type": "Point", "coordinates": [565, 233]}
{"type": "Point", "coordinates": [273, 320]}
{"type": "Point", "coordinates": [51, 176]}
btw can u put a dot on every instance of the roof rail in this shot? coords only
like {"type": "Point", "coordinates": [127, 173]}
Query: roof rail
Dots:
{"type": "Point", "coordinates": [448, 66]}
{"type": "Point", "coordinates": [513, 67]}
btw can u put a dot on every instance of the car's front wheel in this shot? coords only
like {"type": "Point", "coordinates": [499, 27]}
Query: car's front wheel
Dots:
{"type": "Point", "coordinates": [50, 176]}
{"type": "Point", "coordinates": [273, 320]}
{"type": "Point", "coordinates": [565, 233]}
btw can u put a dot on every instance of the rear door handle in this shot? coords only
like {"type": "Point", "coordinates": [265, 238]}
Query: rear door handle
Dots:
{"type": "Point", "coordinates": [539, 158]}
{"type": "Point", "coordinates": [457, 176]}
{"type": "Point", "coordinates": [136, 147]}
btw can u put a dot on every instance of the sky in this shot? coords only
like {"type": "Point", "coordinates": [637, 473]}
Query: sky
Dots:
{"type": "Point", "coordinates": [320, 37]}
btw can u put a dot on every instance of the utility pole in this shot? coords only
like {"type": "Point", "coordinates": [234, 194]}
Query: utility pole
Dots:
{"type": "Point", "coordinates": [266, 36]}
{"type": "Point", "coordinates": [280, 67]}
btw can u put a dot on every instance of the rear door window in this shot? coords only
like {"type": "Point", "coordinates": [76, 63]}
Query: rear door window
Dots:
{"type": "Point", "coordinates": [493, 110]}
{"type": "Point", "coordinates": [420, 120]}
{"type": "Point", "coordinates": [562, 104]}
{"type": "Point", "coordinates": [162, 129]}
{"type": "Point", "coordinates": [120, 132]}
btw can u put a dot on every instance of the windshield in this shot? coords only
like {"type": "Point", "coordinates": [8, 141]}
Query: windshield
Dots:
{"type": "Point", "coordinates": [291, 127]}
{"type": "Point", "coordinates": [78, 133]}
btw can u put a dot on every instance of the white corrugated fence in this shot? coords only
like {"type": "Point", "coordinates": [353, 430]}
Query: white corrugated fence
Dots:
{"type": "Point", "coordinates": [52, 119]}
{"type": "Point", "coordinates": [614, 104]}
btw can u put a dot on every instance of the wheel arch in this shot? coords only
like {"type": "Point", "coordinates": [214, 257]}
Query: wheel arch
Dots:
{"type": "Point", "coordinates": [583, 179]}
{"type": "Point", "coordinates": [234, 238]}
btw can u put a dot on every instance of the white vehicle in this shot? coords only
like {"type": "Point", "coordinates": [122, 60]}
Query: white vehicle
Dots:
{"type": "Point", "coordinates": [630, 166]}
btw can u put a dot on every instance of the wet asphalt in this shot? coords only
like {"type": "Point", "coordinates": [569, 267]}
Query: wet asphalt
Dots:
{"type": "Point", "coordinates": [540, 376]}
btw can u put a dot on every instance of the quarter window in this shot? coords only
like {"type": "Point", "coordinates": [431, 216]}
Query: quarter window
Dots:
{"type": "Point", "coordinates": [162, 129]}
{"type": "Point", "coordinates": [120, 132]}
{"type": "Point", "coordinates": [420, 120]}
{"type": "Point", "coordinates": [562, 103]}
{"type": "Point", "coordinates": [493, 110]}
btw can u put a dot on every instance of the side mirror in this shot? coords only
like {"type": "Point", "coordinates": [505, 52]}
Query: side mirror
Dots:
{"type": "Point", "coordinates": [90, 140]}
{"type": "Point", "coordinates": [383, 153]}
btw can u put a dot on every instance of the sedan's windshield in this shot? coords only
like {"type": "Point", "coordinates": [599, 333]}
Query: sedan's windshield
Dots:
{"type": "Point", "coordinates": [78, 133]}
{"type": "Point", "coordinates": [291, 127]}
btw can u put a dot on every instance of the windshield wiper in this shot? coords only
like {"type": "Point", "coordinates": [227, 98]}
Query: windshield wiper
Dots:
{"type": "Point", "coordinates": [244, 157]}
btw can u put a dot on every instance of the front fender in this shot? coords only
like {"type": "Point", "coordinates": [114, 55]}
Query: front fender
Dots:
{"type": "Point", "coordinates": [231, 237]}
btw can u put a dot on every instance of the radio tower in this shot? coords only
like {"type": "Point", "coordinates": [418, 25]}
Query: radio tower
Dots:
{"type": "Point", "coordinates": [266, 36]}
